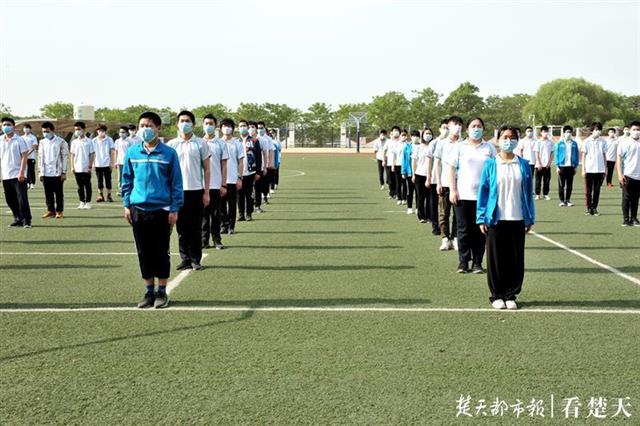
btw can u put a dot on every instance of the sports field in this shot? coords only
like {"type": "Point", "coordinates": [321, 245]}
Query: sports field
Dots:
{"type": "Point", "coordinates": [334, 306]}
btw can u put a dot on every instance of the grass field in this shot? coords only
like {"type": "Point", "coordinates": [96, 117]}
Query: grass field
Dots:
{"type": "Point", "coordinates": [394, 336]}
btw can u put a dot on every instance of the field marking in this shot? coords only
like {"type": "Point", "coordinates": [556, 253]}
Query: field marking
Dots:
{"type": "Point", "coordinates": [174, 283]}
{"type": "Point", "coordinates": [319, 309]}
{"type": "Point", "coordinates": [591, 260]}
{"type": "Point", "coordinates": [43, 253]}
{"type": "Point", "coordinates": [299, 173]}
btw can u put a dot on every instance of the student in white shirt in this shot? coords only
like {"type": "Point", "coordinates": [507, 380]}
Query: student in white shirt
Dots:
{"type": "Point", "coordinates": [235, 166]}
{"type": "Point", "coordinates": [121, 145]}
{"type": "Point", "coordinates": [628, 167]}
{"type": "Point", "coordinates": [193, 153]}
{"type": "Point", "coordinates": [14, 152]}
{"type": "Point", "coordinates": [217, 183]}
{"type": "Point", "coordinates": [82, 153]}
{"type": "Point", "coordinates": [594, 159]}
{"type": "Point", "coordinates": [612, 152]}
{"type": "Point", "coordinates": [465, 163]}
{"type": "Point", "coordinates": [32, 144]}
{"type": "Point", "coordinates": [388, 151]}
{"type": "Point", "coordinates": [378, 146]}
{"type": "Point", "coordinates": [448, 231]}
{"type": "Point", "coordinates": [543, 151]}
{"type": "Point", "coordinates": [420, 166]}
{"type": "Point", "coordinates": [401, 182]}
{"type": "Point", "coordinates": [268, 154]}
{"type": "Point", "coordinates": [433, 178]}
{"type": "Point", "coordinates": [53, 160]}
{"type": "Point", "coordinates": [251, 179]}
{"type": "Point", "coordinates": [104, 161]}
{"type": "Point", "coordinates": [526, 148]}
{"type": "Point", "coordinates": [260, 158]}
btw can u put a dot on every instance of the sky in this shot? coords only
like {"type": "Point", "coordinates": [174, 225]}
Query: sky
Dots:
{"type": "Point", "coordinates": [194, 52]}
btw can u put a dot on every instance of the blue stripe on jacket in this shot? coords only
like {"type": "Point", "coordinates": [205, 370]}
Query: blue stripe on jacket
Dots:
{"type": "Point", "coordinates": [559, 152]}
{"type": "Point", "coordinates": [487, 205]}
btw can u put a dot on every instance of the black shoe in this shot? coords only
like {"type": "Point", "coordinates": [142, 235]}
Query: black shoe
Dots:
{"type": "Point", "coordinates": [588, 213]}
{"type": "Point", "coordinates": [185, 264]}
{"type": "Point", "coordinates": [218, 245]}
{"type": "Point", "coordinates": [249, 218]}
{"type": "Point", "coordinates": [435, 232]}
{"type": "Point", "coordinates": [241, 219]}
{"type": "Point", "coordinates": [463, 268]}
{"type": "Point", "coordinates": [147, 301]}
{"type": "Point", "coordinates": [477, 269]}
{"type": "Point", "coordinates": [626, 223]}
{"type": "Point", "coordinates": [162, 301]}
{"type": "Point", "coordinates": [27, 225]}
{"type": "Point", "coordinates": [15, 224]}
{"type": "Point", "coordinates": [196, 266]}
{"type": "Point", "coordinates": [231, 231]}
{"type": "Point", "coordinates": [635, 222]}
{"type": "Point", "coordinates": [206, 246]}
{"type": "Point", "coordinates": [595, 212]}
{"type": "Point", "coordinates": [224, 230]}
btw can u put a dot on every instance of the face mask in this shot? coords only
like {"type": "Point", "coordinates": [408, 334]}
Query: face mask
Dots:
{"type": "Point", "coordinates": [612, 135]}
{"type": "Point", "coordinates": [252, 131]}
{"type": "Point", "coordinates": [262, 132]}
{"type": "Point", "coordinates": [444, 132]}
{"type": "Point", "coordinates": [427, 137]}
{"type": "Point", "coordinates": [26, 130]}
{"type": "Point", "coordinates": [147, 134]}
{"type": "Point", "coordinates": [7, 129]}
{"type": "Point", "coordinates": [596, 133]}
{"type": "Point", "coordinates": [101, 134]}
{"type": "Point", "coordinates": [48, 135]}
{"type": "Point", "coordinates": [243, 130]}
{"type": "Point", "coordinates": [185, 127]}
{"type": "Point", "coordinates": [567, 136]}
{"type": "Point", "coordinates": [635, 134]}
{"type": "Point", "coordinates": [415, 139]}
{"type": "Point", "coordinates": [123, 135]}
{"type": "Point", "coordinates": [209, 129]}
{"type": "Point", "coordinates": [508, 145]}
{"type": "Point", "coordinates": [395, 134]}
{"type": "Point", "coordinates": [382, 137]}
{"type": "Point", "coordinates": [77, 133]}
{"type": "Point", "coordinates": [226, 130]}
{"type": "Point", "coordinates": [544, 135]}
{"type": "Point", "coordinates": [454, 129]}
{"type": "Point", "coordinates": [476, 133]}
{"type": "Point", "coordinates": [529, 134]}
{"type": "Point", "coordinates": [626, 132]}
{"type": "Point", "coordinates": [132, 133]}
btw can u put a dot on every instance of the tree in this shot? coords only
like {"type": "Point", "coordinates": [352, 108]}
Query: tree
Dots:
{"type": "Point", "coordinates": [505, 110]}
{"type": "Point", "coordinates": [252, 112]}
{"type": "Point", "coordinates": [464, 101]}
{"type": "Point", "coordinates": [5, 109]}
{"type": "Point", "coordinates": [388, 110]}
{"type": "Point", "coordinates": [219, 111]}
{"type": "Point", "coordinates": [280, 115]}
{"type": "Point", "coordinates": [424, 108]}
{"type": "Point", "coordinates": [57, 110]}
{"type": "Point", "coordinates": [316, 124]}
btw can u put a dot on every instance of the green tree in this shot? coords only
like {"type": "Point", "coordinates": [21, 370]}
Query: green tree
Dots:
{"type": "Point", "coordinates": [219, 111]}
{"type": "Point", "coordinates": [316, 124]}
{"type": "Point", "coordinates": [388, 110]}
{"type": "Point", "coordinates": [5, 109]}
{"type": "Point", "coordinates": [280, 115]}
{"type": "Point", "coordinates": [505, 110]}
{"type": "Point", "coordinates": [464, 101]}
{"type": "Point", "coordinates": [424, 108]}
{"type": "Point", "coordinates": [57, 110]}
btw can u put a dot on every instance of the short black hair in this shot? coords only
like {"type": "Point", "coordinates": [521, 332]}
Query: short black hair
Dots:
{"type": "Point", "coordinates": [26, 125]}
{"type": "Point", "coordinates": [480, 120]}
{"type": "Point", "coordinates": [252, 123]}
{"type": "Point", "coordinates": [634, 123]}
{"type": "Point", "coordinates": [9, 119]}
{"type": "Point", "coordinates": [395, 128]}
{"type": "Point", "coordinates": [80, 124]}
{"type": "Point", "coordinates": [132, 126]}
{"type": "Point", "coordinates": [596, 125]}
{"type": "Point", "coordinates": [155, 118]}
{"type": "Point", "coordinates": [527, 128]}
{"type": "Point", "coordinates": [444, 121]}
{"type": "Point", "coordinates": [503, 129]}
{"type": "Point", "coordinates": [567, 127]}
{"type": "Point", "coordinates": [242, 120]}
{"type": "Point", "coordinates": [544, 128]}
{"type": "Point", "coordinates": [610, 129]}
{"type": "Point", "coordinates": [626, 126]}
{"type": "Point", "coordinates": [48, 125]}
{"type": "Point", "coordinates": [228, 122]}
{"type": "Point", "coordinates": [427, 128]}
{"type": "Point", "coordinates": [210, 117]}
{"type": "Point", "coordinates": [125, 128]}
{"type": "Point", "coordinates": [261, 122]}
{"type": "Point", "coordinates": [415, 133]}
{"type": "Point", "coordinates": [188, 114]}
{"type": "Point", "coordinates": [102, 127]}
{"type": "Point", "coordinates": [456, 119]}
{"type": "Point", "coordinates": [383, 131]}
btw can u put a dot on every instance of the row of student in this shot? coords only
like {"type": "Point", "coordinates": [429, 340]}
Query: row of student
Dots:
{"type": "Point", "coordinates": [461, 176]}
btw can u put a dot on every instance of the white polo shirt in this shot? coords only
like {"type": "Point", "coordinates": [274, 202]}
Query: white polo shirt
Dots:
{"type": "Point", "coordinates": [468, 160]}
{"type": "Point", "coordinates": [82, 148]}
{"type": "Point", "coordinates": [442, 152]}
{"type": "Point", "coordinates": [54, 154]}
{"type": "Point", "coordinates": [122, 145]}
{"type": "Point", "coordinates": [102, 148]}
{"type": "Point", "coordinates": [629, 152]}
{"type": "Point", "coordinates": [594, 152]}
{"type": "Point", "coordinates": [236, 152]}
{"type": "Point", "coordinates": [526, 147]}
{"type": "Point", "coordinates": [389, 145]}
{"type": "Point", "coordinates": [11, 150]}
{"type": "Point", "coordinates": [509, 180]}
{"type": "Point", "coordinates": [219, 153]}
{"type": "Point", "coordinates": [434, 145]}
{"type": "Point", "coordinates": [32, 142]}
{"type": "Point", "coordinates": [567, 153]}
{"type": "Point", "coordinates": [192, 153]}
{"type": "Point", "coordinates": [420, 154]}
{"type": "Point", "coordinates": [398, 148]}
{"type": "Point", "coordinates": [612, 149]}
{"type": "Point", "coordinates": [544, 148]}
{"type": "Point", "coordinates": [377, 148]}
{"type": "Point", "coordinates": [266, 145]}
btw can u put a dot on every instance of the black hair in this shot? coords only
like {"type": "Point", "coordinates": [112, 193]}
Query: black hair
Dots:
{"type": "Point", "coordinates": [80, 124]}
{"type": "Point", "coordinates": [228, 122]}
{"type": "Point", "coordinates": [48, 125]}
{"type": "Point", "coordinates": [242, 120]}
{"type": "Point", "coordinates": [261, 122]}
{"type": "Point", "coordinates": [26, 125]}
{"type": "Point", "coordinates": [456, 119]}
{"type": "Point", "coordinates": [383, 131]}
{"type": "Point", "coordinates": [527, 128]}
{"type": "Point", "coordinates": [252, 123]}
{"type": "Point", "coordinates": [634, 123]}
{"type": "Point", "coordinates": [155, 118]}
{"type": "Point", "coordinates": [610, 129]}
{"type": "Point", "coordinates": [125, 128]}
{"type": "Point", "coordinates": [596, 125]}
{"type": "Point", "coordinates": [444, 121]}
{"type": "Point", "coordinates": [567, 127]}
{"type": "Point", "coordinates": [544, 128]}
{"type": "Point", "coordinates": [188, 114]}
{"type": "Point", "coordinates": [479, 119]}
{"type": "Point", "coordinates": [427, 128]}
{"type": "Point", "coordinates": [102, 127]}
{"type": "Point", "coordinates": [210, 117]}
{"type": "Point", "coordinates": [505, 128]}
{"type": "Point", "coordinates": [415, 133]}
{"type": "Point", "coordinates": [132, 126]}
{"type": "Point", "coordinates": [405, 131]}
{"type": "Point", "coordinates": [626, 126]}
{"type": "Point", "coordinates": [395, 128]}
{"type": "Point", "coordinates": [9, 119]}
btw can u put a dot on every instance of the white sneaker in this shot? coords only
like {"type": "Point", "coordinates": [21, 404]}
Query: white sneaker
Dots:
{"type": "Point", "coordinates": [275, 186]}
{"type": "Point", "coordinates": [569, 204]}
{"type": "Point", "coordinates": [562, 205]}
{"type": "Point", "coordinates": [409, 211]}
{"type": "Point", "coordinates": [81, 206]}
{"type": "Point", "coordinates": [382, 188]}
{"type": "Point", "coordinates": [455, 244]}
{"type": "Point", "coordinates": [511, 305]}
{"type": "Point", "coordinates": [399, 202]}
{"type": "Point", "coordinates": [498, 304]}
{"type": "Point", "coordinates": [537, 197]}
{"type": "Point", "coordinates": [272, 191]}
{"type": "Point", "coordinates": [445, 244]}
{"type": "Point", "coordinates": [404, 202]}
{"type": "Point", "coordinates": [547, 198]}
{"type": "Point", "coordinates": [87, 206]}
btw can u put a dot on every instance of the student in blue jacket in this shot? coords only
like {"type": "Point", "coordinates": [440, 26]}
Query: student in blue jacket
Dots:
{"type": "Point", "coordinates": [567, 156]}
{"type": "Point", "coordinates": [407, 168]}
{"type": "Point", "coordinates": [152, 196]}
{"type": "Point", "coordinates": [505, 213]}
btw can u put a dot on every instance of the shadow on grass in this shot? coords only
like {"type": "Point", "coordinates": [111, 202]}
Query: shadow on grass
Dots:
{"type": "Point", "coordinates": [96, 241]}
{"type": "Point", "coordinates": [325, 204]}
{"type": "Point", "coordinates": [323, 219]}
{"type": "Point", "coordinates": [316, 247]}
{"type": "Point", "coordinates": [53, 266]}
{"type": "Point", "coordinates": [318, 232]}
{"type": "Point", "coordinates": [316, 268]}
{"type": "Point", "coordinates": [631, 304]}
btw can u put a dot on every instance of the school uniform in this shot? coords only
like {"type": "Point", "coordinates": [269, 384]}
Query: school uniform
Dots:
{"type": "Point", "coordinates": [102, 163]}
{"type": "Point", "coordinates": [378, 145]}
{"type": "Point", "coordinates": [266, 145]}
{"type": "Point", "coordinates": [82, 149]}
{"type": "Point", "coordinates": [406, 171]}
{"type": "Point", "coordinates": [420, 154]}
{"type": "Point", "coordinates": [53, 158]}
{"type": "Point", "coordinates": [277, 157]}
{"type": "Point", "coordinates": [229, 202]}
{"type": "Point", "coordinates": [505, 206]}
{"type": "Point", "coordinates": [567, 158]}
{"type": "Point", "coordinates": [526, 149]}
{"type": "Point", "coordinates": [151, 189]}
{"type": "Point", "coordinates": [594, 167]}
{"type": "Point", "coordinates": [433, 191]}
{"type": "Point", "coordinates": [612, 151]}
{"type": "Point", "coordinates": [444, 203]}
{"type": "Point", "coordinates": [32, 144]}
{"type": "Point", "coordinates": [121, 146]}
{"type": "Point", "coordinates": [251, 167]}
{"type": "Point", "coordinates": [543, 150]}
{"type": "Point", "coordinates": [401, 182]}
{"type": "Point", "coordinates": [15, 192]}
{"type": "Point", "coordinates": [192, 153]}
{"type": "Point", "coordinates": [629, 152]}
{"type": "Point", "coordinates": [211, 215]}
{"type": "Point", "coordinates": [389, 147]}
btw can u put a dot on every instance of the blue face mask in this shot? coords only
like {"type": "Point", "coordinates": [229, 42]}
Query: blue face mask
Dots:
{"type": "Point", "coordinates": [7, 129]}
{"type": "Point", "coordinates": [243, 130]}
{"type": "Point", "coordinates": [476, 133]}
{"type": "Point", "coordinates": [508, 145]}
{"type": "Point", "coordinates": [209, 129]}
{"type": "Point", "coordinates": [185, 127]}
{"type": "Point", "coordinates": [262, 132]}
{"type": "Point", "coordinates": [48, 135]}
{"type": "Point", "coordinates": [147, 134]}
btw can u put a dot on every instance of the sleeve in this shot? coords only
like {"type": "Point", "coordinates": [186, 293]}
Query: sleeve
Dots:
{"type": "Point", "coordinates": [240, 150]}
{"type": "Point", "coordinates": [112, 144]}
{"type": "Point", "coordinates": [127, 181]}
{"type": "Point", "coordinates": [24, 147]}
{"type": "Point", "coordinates": [64, 152]}
{"type": "Point", "coordinates": [72, 148]}
{"type": "Point", "coordinates": [483, 195]}
{"type": "Point", "coordinates": [437, 150]}
{"type": "Point", "coordinates": [93, 149]}
{"type": "Point", "coordinates": [225, 152]}
{"type": "Point", "coordinates": [205, 152]}
{"type": "Point", "coordinates": [175, 183]}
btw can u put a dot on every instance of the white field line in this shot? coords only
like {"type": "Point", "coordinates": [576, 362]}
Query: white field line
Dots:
{"type": "Point", "coordinates": [42, 253]}
{"type": "Point", "coordinates": [298, 173]}
{"type": "Point", "coordinates": [174, 283]}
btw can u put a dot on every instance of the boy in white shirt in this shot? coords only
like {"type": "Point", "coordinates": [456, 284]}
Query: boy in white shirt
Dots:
{"type": "Point", "coordinates": [594, 159]}
{"type": "Point", "coordinates": [32, 144]}
{"type": "Point", "coordinates": [378, 146]}
{"type": "Point", "coordinates": [612, 152]}
{"type": "Point", "coordinates": [543, 150]}
{"type": "Point", "coordinates": [121, 145]}
{"type": "Point", "coordinates": [13, 163]}
{"type": "Point", "coordinates": [53, 160]}
{"type": "Point", "coordinates": [217, 183]}
{"type": "Point", "coordinates": [82, 153]}
{"type": "Point", "coordinates": [235, 166]}
{"type": "Point", "coordinates": [104, 161]}
{"type": "Point", "coordinates": [388, 150]}
{"type": "Point", "coordinates": [526, 148]}
{"type": "Point", "coordinates": [628, 166]}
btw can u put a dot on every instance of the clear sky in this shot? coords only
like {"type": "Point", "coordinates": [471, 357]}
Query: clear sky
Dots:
{"type": "Point", "coordinates": [185, 53]}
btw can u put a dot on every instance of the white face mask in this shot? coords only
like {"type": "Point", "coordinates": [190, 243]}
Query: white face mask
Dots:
{"type": "Point", "coordinates": [395, 134]}
{"type": "Point", "coordinates": [596, 133]}
{"type": "Point", "coordinates": [529, 133]}
{"type": "Point", "coordinates": [227, 130]}
{"type": "Point", "coordinates": [567, 136]}
{"type": "Point", "coordinates": [626, 132]}
{"type": "Point", "coordinates": [77, 133]}
{"type": "Point", "coordinates": [427, 137]}
{"type": "Point", "coordinates": [26, 130]}
{"type": "Point", "coordinates": [635, 134]}
{"type": "Point", "coordinates": [454, 129]}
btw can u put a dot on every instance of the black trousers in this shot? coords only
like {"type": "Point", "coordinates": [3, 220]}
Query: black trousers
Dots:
{"type": "Point", "coordinates": [401, 184]}
{"type": "Point", "coordinates": [433, 209]}
{"type": "Point", "coordinates": [380, 172]}
{"type": "Point", "coordinates": [444, 215]}
{"type": "Point", "coordinates": [410, 190]}
{"type": "Point", "coordinates": [611, 166]}
{"type": "Point", "coordinates": [53, 193]}
{"type": "Point", "coordinates": [84, 186]}
{"type": "Point", "coordinates": [229, 207]}
{"type": "Point", "coordinates": [257, 188]}
{"type": "Point", "coordinates": [630, 196]}
{"type": "Point", "coordinates": [391, 181]}
{"type": "Point", "coordinates": [543, 177]}
{"type": "Point", "coordinates": [152, 233]}
{"type": "Point", "coordinates": [471, 241]}
{"type": "Point", "coordinates": [31, 171]}
{"type": "Point", "coordinates": [104, 173]}
{"type": "Point", "coordinates": [189, 226]}
{"type": "Point", "coordinates": [422, 204]}
{"type": "Point", "coordinates": [592, 184]}
{"type": "Point", "coordinates": [15, 194]}
{"type": "Point", "coordinates": [120, 169]}
{"type": "Point", "coordinates": [505, 259]}
{"type": "Point", "coordinates": [275, 177]}
{"type": "Point", "coordinates": [565, 183]}
{"type": "Point", "coordinates": [245, 196]}
{"type": "Point", "coordinates": [265, 182]}
{"type": "Point", "coordinates": [211, 218]}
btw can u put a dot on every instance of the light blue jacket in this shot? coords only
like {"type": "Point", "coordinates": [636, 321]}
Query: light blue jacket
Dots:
{"type": "Point", "coordinates": [405, 169]}
{"type": "Point", "coordinates": [487, 206]}
{"type": "Point", "coordinates": [560, 153]}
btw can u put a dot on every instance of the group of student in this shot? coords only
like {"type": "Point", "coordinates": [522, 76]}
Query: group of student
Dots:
{"type": "Point", "coordinates": [202, 185]}
{"type": "Point", "coordinates": [479, 196]}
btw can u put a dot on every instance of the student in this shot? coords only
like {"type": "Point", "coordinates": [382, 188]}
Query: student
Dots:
{"type": "Point", "coordinates": [53, 157]}
{"type": "Point", "coordinates": [419, 164]}
{"type": "Point", "coordinates": [567, 156]}
{"type": "Point", "coordinates": [268, 150]}
{"type": "Point", "coordinates": [612, 152]}
{"type": "Point", "coordinates": [543, 151]}
{"type": "Point", "coordinates": [152, 196]}
{"type": "Point", "coordinates": [406, 168]}
{"type": "Point", "coordinates": [378, 146]}
{"type": "Point", "coordinates": [526, 148]}
{"type": "Point", "coordinates": [251, 170]}
{"type": "Point", "coordinates": [447, 232]}
{"type": "Point", "coordinates": [193, 154]}
{"type": "Point", "coordinates": [401, 183]}
{"type": "Point", "coordinates": [32, 144]}
{"type": "Point", "coordinates": [626, 132]}
{"type": "Point", "coordinates": [593, 156]}
{"type": "Point", "coordinates": [104, 161]}
{"type": "Point", "coordinates": [123, 143]}
{"type": "Point", "coordinates": [217, 183]}
{"type": "Point", "coordinates": [82, 153]}
{"type": "Point", "coordinates": [628, 167]}
{"type": "Point", "coordinates": [388, 151]}
{"type": "Point", "coordinates": [465, 163]}
{"type": "Point", "coordinates": [433, 177]}
{"type": "Point", "coordinates": [277, 157]}
{"type": "Point", "coordinates": [14, 152]}
{"type": "Point", "coordinates": [505, 213]}
{"type": "Point", "coordinates": [235, 166]}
